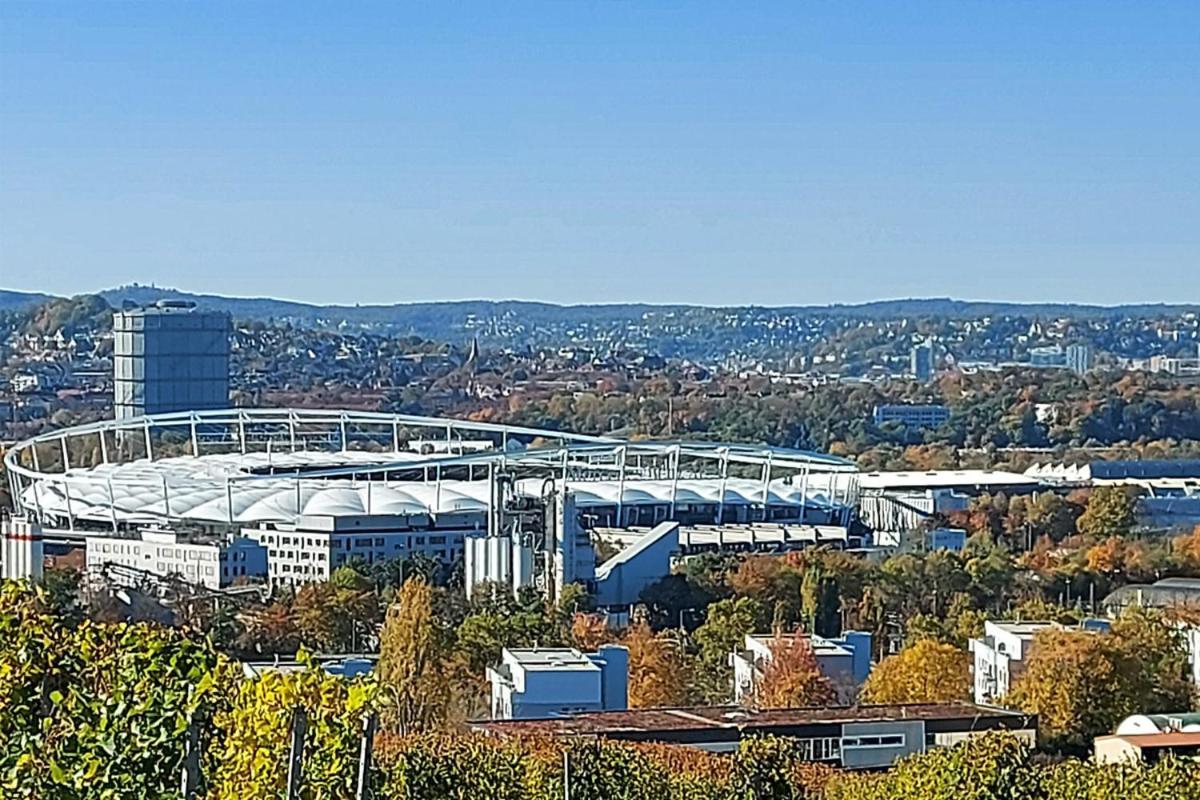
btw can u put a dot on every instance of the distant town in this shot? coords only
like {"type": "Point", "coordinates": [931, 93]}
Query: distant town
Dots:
{"type": "Point", "coordinates": [863, 538]}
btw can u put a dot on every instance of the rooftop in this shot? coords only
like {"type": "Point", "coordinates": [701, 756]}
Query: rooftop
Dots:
{"type": "Point", "coordinates": [550, 658]}
{"type": "Point", "coordinates": [820, 645]}
{"type": "Point", "coordinates": [948, 478]}
{"type": "Point", "coordinates": [1166, 592]}
{"type": "Point", "coordinates": [735, 717]}
{"type": "Point", "coordinates": [1171, 739]}
{"type": "Point", "coordinates": [1023, 629]}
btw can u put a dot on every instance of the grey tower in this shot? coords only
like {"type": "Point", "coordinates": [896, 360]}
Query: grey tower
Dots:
{"type": "Point", "coordinates": [169, 357]}
{"type": "Point", "coordinates": [921, 362]}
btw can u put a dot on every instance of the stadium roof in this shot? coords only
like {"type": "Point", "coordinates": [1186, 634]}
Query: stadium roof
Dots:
{"type": "Point", "coordinates": [224, 479]}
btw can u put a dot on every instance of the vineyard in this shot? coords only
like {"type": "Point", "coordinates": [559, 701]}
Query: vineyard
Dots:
{"type": "Point", "coordinates": [136, 712]}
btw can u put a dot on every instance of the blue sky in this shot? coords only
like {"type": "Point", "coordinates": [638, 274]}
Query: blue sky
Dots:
{"type": "Point", "coordinates": [767, 153]}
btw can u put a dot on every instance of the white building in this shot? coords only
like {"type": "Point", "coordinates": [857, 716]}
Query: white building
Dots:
{"type": "Point", "coordinates": [537, 683]}
{"type": "Point", "coordinates": [845, 661]}
{"type": "Point", "coordinates": [313, 547]}
{"type": "Point", "coordinates": [1148, 737]}
{"type": "Point", "coordinates": [212, 563]}
{"type": "Point", "coordinates": [1000, 656]}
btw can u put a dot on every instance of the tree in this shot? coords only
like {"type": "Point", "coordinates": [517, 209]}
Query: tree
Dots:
{"type": "Point", "coordinates": [1081, 684]}
{"type": "Point", "coordinates": [411, 661]}
{"type": "Point", "coordinates": [589, 631]}
{"type": "Point", "coordinates": [820, 602]}
{"type": "Point", "coordinates": [1187, 548]}
{"type": "Point", "coordinates": [1069, 682]}
{"type": "Point", "coordinates": [317, 620]}
{"type": "Point", "coordinates": [96, 710]}
{"type": "Point", "coordinates": [482, 636]}
{"type": "Point", "coordinates": [672, 601]}
{"type": "Point", "coordinates": [1155, 658]}
{"type": "Point", "coordinates": [726, 626]}
{"type": "Point", "coordinates": [924, 672]}
{"type": "Point", "coordinates": [792, 677]}
{"type": "Point", "coordinates": [1107, 557]}
{"type": "Point", "coordinates": [1109, 512]}
{"type": "Point", "coordinates": [270, 630]}
{"type": "Point", "coordinates": [658, 670]}
{"type": "Point", "coordinates": [1051, 515]}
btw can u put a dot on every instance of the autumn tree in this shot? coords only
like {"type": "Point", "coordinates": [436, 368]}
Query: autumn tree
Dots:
{"type": "Point", "coordinates": [658, 668]}
{"type": "Point", "coordinates": [1109, 512]}
{"type": "Point", "coordinates": [1186, 548]}
{"type": "Point", "coordinates": [1080, 684]}
{"type": "Point", "coordinates": [1068, 682]}
{"type": "Point", "coordinates": [317, 619]}
{"type": "Point", "coordinates": [589, 631]}
{"type": "Point", "coordinates": [925, 672]}
{"type": "Point", "coordinates": [1107, 557]}
{"type": "Point", "coordinates": [270, 630]}
{"type": "Point", "coordinates": [411, 672]}
{"type": "Point", "coordinates": [792, 677]}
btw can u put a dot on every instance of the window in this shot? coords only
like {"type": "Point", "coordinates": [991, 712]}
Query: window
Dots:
{"type": "Point", "coordinates": [827, 748]}
{"type": "Point", "coordinates": [873, 741]}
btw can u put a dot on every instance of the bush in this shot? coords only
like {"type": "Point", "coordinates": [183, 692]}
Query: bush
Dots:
{"type": "Point", "coordinates": [95, 711]}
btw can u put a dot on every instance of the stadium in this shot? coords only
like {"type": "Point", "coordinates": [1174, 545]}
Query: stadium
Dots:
{"type": "Point", "coordinates": [414, 484]}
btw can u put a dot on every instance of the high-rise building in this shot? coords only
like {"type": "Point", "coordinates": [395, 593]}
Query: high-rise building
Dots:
{"type": "Point", "coordinates": [921, 362]}
{"type": "Point", "coordinates": [169, 357]}
{"type": "Point", "coordinates": [1079, 358]}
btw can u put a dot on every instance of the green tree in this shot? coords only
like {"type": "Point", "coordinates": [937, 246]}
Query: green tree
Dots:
{"type": "Point", "coordinates": [97, 710]}
{"type": "Point", "coordinates": [726, 626]}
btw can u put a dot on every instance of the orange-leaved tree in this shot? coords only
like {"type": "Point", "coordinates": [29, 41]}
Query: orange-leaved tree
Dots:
{"type": "Point", "coordinates": [792, 677]}
{"type": "Point", "coordinates": [658, 668]}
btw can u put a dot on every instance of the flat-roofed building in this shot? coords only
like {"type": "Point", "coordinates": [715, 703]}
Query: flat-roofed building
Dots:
{"type": "Point", "coordinates": [1000, 655]}
{"type": "Point", "coordinates": [911, 416]}
{"type": "Point", "coordinates": [315, 545]}
{"type": "Point", "coordinates": [540, 682]}
{"type": "Point", "coordinates": [169, 357]}
{"type": "Point", "coordinates": [851, 737]}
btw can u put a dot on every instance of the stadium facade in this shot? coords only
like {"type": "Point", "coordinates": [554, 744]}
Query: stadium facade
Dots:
{"type": "Point", "coordinates": [319, 488]}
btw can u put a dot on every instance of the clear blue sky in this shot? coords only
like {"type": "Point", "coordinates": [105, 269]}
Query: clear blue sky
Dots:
{"type": "Point", "coordinates": [770, 153]}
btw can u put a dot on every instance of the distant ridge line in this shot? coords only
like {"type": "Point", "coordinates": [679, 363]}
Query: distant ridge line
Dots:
{"type": "Point", "coordinates": [402, 313]}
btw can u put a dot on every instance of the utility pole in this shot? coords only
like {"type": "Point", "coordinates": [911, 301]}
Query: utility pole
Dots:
{"type": "Point", "coordinates": [190, 779]}
{"type": "Point", "coordinates": [363, 790]}
{"type": "Point", "coordinates": [295, 774]}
